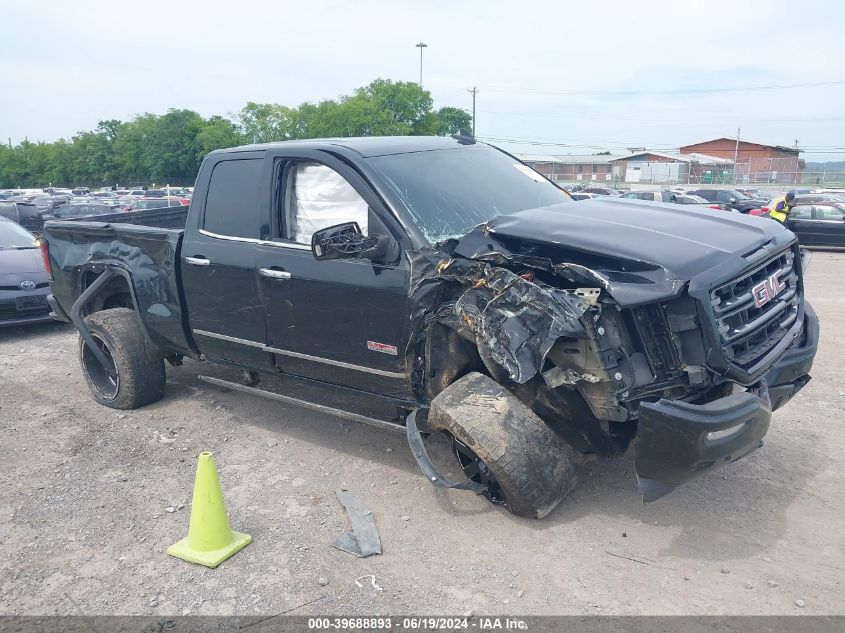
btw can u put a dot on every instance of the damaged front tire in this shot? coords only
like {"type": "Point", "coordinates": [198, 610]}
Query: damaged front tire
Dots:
{"type": "Point", "coordinates": [526, 466]}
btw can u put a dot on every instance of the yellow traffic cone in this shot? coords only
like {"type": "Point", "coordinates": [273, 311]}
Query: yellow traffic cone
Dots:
{"type": "Point", "coordinates": [210, 540]}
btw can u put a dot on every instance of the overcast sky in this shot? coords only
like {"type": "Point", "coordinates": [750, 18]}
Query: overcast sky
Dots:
{"type": "Point", "coordinates": [67, 65]}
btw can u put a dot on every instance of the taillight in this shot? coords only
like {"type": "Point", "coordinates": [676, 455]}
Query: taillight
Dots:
{"type": "Point", "coordinates": [45, 256]}
{"type": "Point", "coordinates": [715, 206]}
{"type": "Point", "coordinates": [764, 210]}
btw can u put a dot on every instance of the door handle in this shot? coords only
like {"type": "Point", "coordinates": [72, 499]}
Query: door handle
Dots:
{"type": "Point", "coordinates": [197, 261]}
{"type": "Point", "coordinates": [272, 273]}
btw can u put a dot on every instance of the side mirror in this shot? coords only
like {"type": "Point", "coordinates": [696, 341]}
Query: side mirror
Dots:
{"type": "Point", "coordinates": [345, 241]}
{"type": "Point", "coordinates": [731, 200]}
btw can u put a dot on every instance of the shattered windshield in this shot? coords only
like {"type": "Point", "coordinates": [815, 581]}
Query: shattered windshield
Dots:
{"type": "Point", "coordinates": [450, 192]}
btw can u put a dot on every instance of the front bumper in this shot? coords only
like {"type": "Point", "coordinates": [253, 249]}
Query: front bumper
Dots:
{"type": "Point", "coordinates": [12, 315]}
{"type": "Point", "coordinates": [678, 441]}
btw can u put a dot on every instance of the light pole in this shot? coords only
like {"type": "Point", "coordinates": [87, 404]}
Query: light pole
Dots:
{"type": "Point", "coordinates": [421, 46]}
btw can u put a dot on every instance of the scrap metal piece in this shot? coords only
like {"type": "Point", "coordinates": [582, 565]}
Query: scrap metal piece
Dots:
{"type": "Point", "coordinates": [556, 377]}
{"type": "Point", "coordinates": [364, 539]}
{"type": "Point", "coordinates": [590, 296]}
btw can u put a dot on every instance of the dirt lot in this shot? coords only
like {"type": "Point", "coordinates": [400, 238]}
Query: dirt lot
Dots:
{"type": "Point", "coordinates": [84, 492]}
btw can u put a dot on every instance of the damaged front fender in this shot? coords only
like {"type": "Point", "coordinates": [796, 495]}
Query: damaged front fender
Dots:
{"type": "Point", "coordinates": [516, 320]}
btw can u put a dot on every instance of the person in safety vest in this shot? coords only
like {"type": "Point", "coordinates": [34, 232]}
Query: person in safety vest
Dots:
{"type": "Point", "coordinates": [780, 210]}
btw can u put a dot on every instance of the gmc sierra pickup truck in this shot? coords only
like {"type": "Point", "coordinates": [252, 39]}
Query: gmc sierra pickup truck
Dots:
{"type": "Point", "coordinates": [436, 284]}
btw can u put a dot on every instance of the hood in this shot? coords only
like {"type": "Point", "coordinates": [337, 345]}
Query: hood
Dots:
{"type": "Point", "coordinates": [17, 265]}
{"type": "Point", "coordinates": [639, 251]}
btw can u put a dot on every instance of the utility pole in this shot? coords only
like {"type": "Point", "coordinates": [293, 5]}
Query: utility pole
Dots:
{"type": "Point", "coordinates": [473, 92]}
{"type": "Point", "coordinates": [736, 157]}
{"type": "Point", "coordinates": [421, 46]}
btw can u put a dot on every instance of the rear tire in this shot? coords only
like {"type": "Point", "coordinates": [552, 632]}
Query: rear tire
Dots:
{"type": "Point", "coordinates": [136, 376]}
{"type": "Point", "coordinates": [532, 469]}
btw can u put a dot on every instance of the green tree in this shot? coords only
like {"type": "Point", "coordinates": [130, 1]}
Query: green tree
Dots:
{"type": "Point", "coordinates": [218, 132]}
{"type": "Point", "coordinates": [452, 120]}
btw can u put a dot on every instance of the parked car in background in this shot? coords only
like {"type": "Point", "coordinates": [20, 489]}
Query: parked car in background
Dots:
{"type": "Point", "coordinates": [24, 284]}
{"type": "Point", "coordinates": [27, 215]}
{"type": "Point", "coordinates": [580, 195]}
{"type": "Point", "coordinates": [684, 198]}
{"type": "Point", "coordinates": [103, 195]}
{"type": "Point", "coordinates": [753, 193]}
{"type": "Point", "coordinates": [157, 203]}
{"type": "Point", "coordinates": [70, 211]}
{"type": "Point", "coordinates": [80, 191]}
{"type": "Point", "coordinates": [731, 197]}
{"type": "Point", "coordinates": [602, 191]}
{"type": "Point", "coordinates": [672, 197]}
{"type": "Point", "coordinates": [803, 199]}
{"type": "Point", "coordinates": [818, 224]}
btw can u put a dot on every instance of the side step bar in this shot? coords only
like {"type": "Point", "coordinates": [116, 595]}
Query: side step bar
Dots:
{"type": "Point", "coordinates": [302, 403]}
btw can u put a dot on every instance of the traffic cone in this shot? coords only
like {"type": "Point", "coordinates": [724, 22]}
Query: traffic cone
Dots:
{"type": "Point", "coordinates": [210, 540]}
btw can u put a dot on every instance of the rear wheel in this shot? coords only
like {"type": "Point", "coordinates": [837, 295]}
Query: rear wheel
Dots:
{"type": "Point", "coordinates": [505, 446]}
{"type": "Point", "coordinates": [134, 374]}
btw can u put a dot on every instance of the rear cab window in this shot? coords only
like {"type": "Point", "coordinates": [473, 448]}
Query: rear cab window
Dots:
{"type": "Point", "coordinates": [231, 207]}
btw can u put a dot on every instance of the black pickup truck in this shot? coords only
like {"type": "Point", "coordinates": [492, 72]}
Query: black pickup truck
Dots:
{"type": "Point", "coordinates": [436, 284]}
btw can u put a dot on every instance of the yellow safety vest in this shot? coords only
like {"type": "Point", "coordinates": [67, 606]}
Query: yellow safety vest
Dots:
{"type": "Point", "coordinates": [780, 216]}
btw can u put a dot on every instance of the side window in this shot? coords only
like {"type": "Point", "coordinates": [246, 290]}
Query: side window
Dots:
{"type": "Point", "coordinates": [631, 194]}
{"type": "Point", "coordinates": [668, 196]}
{"type": "Point", "coordinates": [801, 212]}
{"type": "Point", "coordinates": [231, 207]}
{"type": "Point", "coordinates": [317, 197]}
{"type": "Point", "coordinates": [826, 212]}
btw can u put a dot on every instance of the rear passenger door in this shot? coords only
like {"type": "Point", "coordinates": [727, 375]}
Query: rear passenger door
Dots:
{"type": "Point", "coordinates": [218, 261]}
{"type": "Point", "coordinates": [829, 225]}
{"type": "Point", "coordinates": [800, 221]}
{"type": "Point", "coordinates": [341, 321]}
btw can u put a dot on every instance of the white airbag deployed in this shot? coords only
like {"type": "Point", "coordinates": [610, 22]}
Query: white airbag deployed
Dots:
{"type": "Point", "coordinates": [322, 198]}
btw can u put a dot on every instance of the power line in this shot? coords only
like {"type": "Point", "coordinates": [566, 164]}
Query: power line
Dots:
{"type": "Point", "coordinates": [836, 82]}
{"type": "Point", "coordinates": [563, 115]}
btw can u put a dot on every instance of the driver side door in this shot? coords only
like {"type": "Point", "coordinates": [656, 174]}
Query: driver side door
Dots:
{"type": "Point", "coordinates": [340, 321]}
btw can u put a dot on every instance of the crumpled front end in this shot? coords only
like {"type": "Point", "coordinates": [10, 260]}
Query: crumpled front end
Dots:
{"type": "Point", "coordinates": [611, 350]}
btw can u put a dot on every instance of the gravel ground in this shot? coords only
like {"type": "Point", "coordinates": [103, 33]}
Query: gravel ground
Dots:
{"type": "Point", "coordinates": [85, 492]}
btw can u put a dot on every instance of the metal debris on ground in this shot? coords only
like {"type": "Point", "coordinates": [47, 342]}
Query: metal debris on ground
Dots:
{"type": "Point", "coordinates": [373, 582]}
{"type": "Point", "coordinates": [364, 539]}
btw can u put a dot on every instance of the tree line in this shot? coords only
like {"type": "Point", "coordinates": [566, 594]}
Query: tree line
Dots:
{"type": "Point", "coordinates": [168, 148]}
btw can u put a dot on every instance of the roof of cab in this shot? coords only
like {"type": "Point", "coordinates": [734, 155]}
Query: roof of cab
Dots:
{"type": "Point", "coordinates": [365, 146]}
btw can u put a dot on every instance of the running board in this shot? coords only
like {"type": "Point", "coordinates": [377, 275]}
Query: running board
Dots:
{"type": "Point", "coordinates": [302, 403]}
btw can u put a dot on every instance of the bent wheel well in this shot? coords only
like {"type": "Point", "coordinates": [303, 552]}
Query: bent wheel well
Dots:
{"type": "Point", "coordinates": [114, 294]}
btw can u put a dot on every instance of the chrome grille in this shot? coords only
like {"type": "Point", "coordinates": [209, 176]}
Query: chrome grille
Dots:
{"type": "Point", "coordinates": [747, 332]}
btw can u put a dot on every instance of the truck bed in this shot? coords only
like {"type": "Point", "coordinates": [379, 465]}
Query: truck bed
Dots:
{"type": "Point", "coordinates": [146, 257]}
{"type": "Point", "coordinates": [163, 217]}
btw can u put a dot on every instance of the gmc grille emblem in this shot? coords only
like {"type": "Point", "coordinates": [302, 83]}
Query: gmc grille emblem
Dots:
{"type": "Point", "coordinates": [767, 290]}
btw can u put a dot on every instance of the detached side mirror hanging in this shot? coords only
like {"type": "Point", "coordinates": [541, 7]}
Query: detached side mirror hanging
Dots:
{"type": "Point", "coordinates": [345, 241]}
